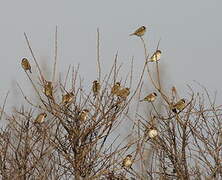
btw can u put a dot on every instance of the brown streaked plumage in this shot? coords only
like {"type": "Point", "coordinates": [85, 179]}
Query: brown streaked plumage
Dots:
{"type": "Point", "coordinates": [127, 161]}
{"type": "Point", "coordinates": [116, 87]}
{"type": "Point", "coordinates": [150, 97]}
{"type": "Point", "coordinates": [40, 118]}
{"type": "Point", "coordinates": [152, 133]}
{"type": "Point", "coordinates": [123, 93]}
{"type": "Point", "coordinates": [67, 98]}
{"type": "Point", "coordinates": [96, 88]}
{"type": "Point", "coordinates": [180, 105]}
{"type": "Point", "coordinates": [84, 114]}
{"type": "Point", "coordinates": [48, 89]}
{"type": "Point", "coordinates": [156, 56]}
{"type": "Point", "coordinates": [26, 65]}
{"type": "Point", "coordinates": [139, 32]}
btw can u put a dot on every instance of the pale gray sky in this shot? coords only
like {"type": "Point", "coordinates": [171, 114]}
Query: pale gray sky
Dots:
{"type": "Point", "coordinates": [190, 33]}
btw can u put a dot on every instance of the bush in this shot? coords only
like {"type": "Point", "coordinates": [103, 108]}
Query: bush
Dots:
{"type": "Point", "coordinates": [73, 134]}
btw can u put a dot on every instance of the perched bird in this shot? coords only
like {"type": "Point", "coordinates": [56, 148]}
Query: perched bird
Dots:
{"type": "Point", "coordinates": [139, 32]}
{"type": "Point", "coordinates": [84, 114]}
{"type": "Point", "coordinates": [150, 98]}
{"type": "Point", "coordinates": [156, 56]}
{"type": "Point", "coordinates": [40, 118]}
{"type": "Point", "coordinates": [123, 93]}
{"type": "Point", "coordinates": [127, 161]}
{"type": "Point", "coordinates": [48, 89]}
{"type": "Point", "coordinates": [26, 65]}
{"type": "Point", "coordinates": [96, 88]}
{"type": "Point", "coordinates": [116, 87]}
{"type": "Point", "coordinates": [180, 105]}
{"type": "Point", "coordinates": [67, 98]}
{"type": "Point", "coordinates": [152, 133]}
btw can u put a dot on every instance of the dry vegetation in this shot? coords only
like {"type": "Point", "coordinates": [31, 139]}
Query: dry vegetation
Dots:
{"type": "Point", "coordinates": [72, 134]}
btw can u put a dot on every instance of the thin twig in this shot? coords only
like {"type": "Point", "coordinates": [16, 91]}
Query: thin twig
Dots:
{"type": "Point", "coordinates": [3, 107]}
{"type": "Point", "coordinates": [32, 53]}
{"type": "Point", "coordinates": [56, 54]}
{"type": "Point", "coordinates": [98, 54]}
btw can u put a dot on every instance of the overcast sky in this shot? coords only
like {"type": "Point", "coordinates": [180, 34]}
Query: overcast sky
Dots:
{"type": "Point", "coordinates": [190, 33]}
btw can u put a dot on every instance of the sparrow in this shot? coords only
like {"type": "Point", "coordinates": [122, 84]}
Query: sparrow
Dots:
{"type": "Point", "coordinates": [67, 98]}
{"type": "Point", "coordinates": [152, 133]}
{"type": "Point", "coordinates": [116, 87]}
{"type": "Point", "coordinates": [48, 88]}
{"type": "Point", "coordinates": [180, 105]}
{"type": "Point", "coordinates": [40, 118]}
{"type": "Point", "coordinates": [139, 32]}
{"type": "Point", "coordinates": [84, 114]}
{"type": "Point", "coordinates": [123, 93]}
{"type": "Point", "coordinates": [96, 88]}
{"type": "Point", "coordinates": [150, 98]}
{"type": "Point", "coordinates": [127, 161]}
{"type": "Point", "coordinates": [26, 65]}
{"type": "Point", "coordinates": [156, 56]}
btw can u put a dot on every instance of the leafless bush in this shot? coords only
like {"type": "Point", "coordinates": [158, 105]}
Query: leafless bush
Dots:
{"type": "Point", "coordinates": [72, 133]}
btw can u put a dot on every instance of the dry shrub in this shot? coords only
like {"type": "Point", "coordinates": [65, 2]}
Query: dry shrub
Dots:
{"type": "Point", "coordinates": [79, 139]}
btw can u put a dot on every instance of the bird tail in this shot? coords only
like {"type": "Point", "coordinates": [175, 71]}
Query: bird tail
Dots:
{"type": "Point", "coordinates": [141, 100]}
{"type": "Point", "coordinates": [132, 34]}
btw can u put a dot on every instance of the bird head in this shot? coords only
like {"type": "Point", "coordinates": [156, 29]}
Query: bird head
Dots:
{"type": "Point", "coordinates": [154, 117]}
{"type": "Point", "coordinates": [85, 110]}
{"type": "Point", "coordinates": [183, 100]}
{"type": "Point", "coordinates": [117, 83]}
{"type": "Point", "coordinates": [95, 82]}
{"type": "Point", "coordinates": [48, 83]}
{"type": "Point", "coordinates": [24, 59]}
{"type": "Point", "coordinates": [158, 51]}
{"type": "Point", "coordinates": [44, 114]}
{"type": "Point", "coordinates": [129, 156]}
{"type": "Point", "coordinates": [72, 94]}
